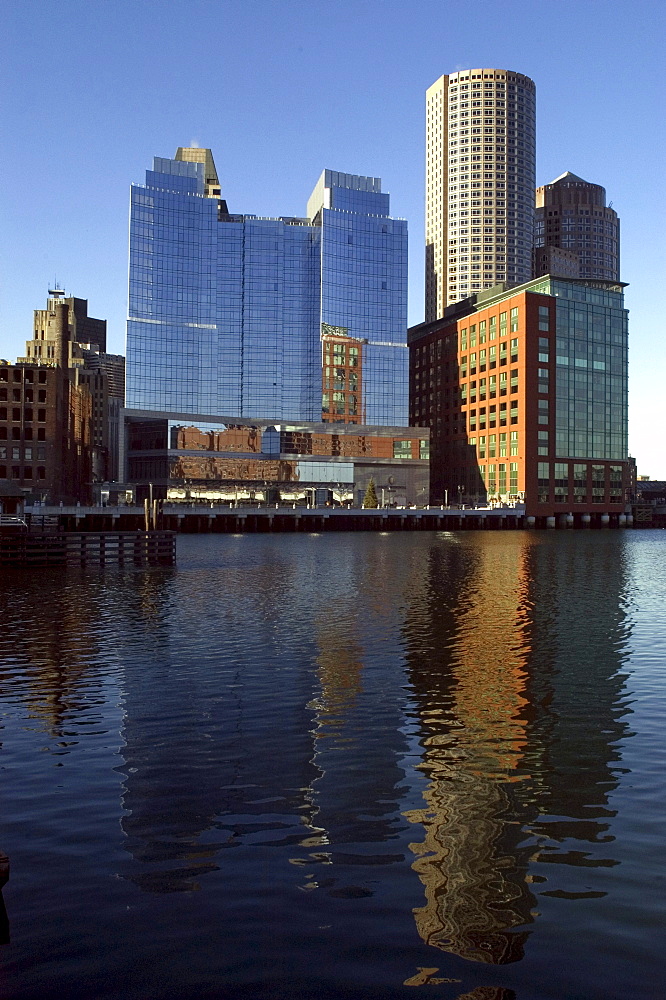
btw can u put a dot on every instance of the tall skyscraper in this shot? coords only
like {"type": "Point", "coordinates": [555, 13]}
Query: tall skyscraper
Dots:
{"type": "Point", "coordinates": [572, 216]}
{"type": "Point", "coordinates": [363, 292]}
{"type": "Point", "coordinates": [228, 313]}
{"type": "Point", "coordinates": [480, 179]}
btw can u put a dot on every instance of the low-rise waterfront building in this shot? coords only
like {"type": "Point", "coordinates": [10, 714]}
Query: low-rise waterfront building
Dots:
{"type": "Point", "coordinates": [188, 457]}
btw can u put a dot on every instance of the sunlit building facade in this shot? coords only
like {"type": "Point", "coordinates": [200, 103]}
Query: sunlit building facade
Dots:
{"type": "Point", "coordinates": [525, 392]}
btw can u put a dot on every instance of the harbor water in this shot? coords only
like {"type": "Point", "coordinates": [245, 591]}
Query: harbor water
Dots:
{"type": "Point", "coordinates": [334, 766]}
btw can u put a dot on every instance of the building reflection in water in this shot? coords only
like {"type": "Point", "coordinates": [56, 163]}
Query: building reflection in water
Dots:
{"type": "Point", "coordinates": [518, 719]}
{"type": "Point", "coordinates": [204, 773]}
{"type": "Point", "coordinates": [50, 650]}
{"type": "Point", "coordinates": [356, 733]}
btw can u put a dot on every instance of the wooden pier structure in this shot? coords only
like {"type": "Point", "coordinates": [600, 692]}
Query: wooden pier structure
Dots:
{"type": "Point", "coordinates": [35, 548]}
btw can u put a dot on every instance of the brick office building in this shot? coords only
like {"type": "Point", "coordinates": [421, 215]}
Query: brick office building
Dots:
{"type": "Point", "coordinates": [90, 365]}
{"type": "Point", "coordinates": [46, 426]}
{"type": "Point", "coordinates": [525, 393]}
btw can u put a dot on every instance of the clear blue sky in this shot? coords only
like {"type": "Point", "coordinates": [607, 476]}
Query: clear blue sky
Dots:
{"type": "Point", "coordinates": [279, 90]}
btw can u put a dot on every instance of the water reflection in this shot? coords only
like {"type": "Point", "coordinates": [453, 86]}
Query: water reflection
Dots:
{"type": "Point", "coordinates": [49, 654]}
{"type": "Point", "coordinates": [514, 655]}
{"type": "Point", "coordinates": [4, 919]}
{"type": "Point", "coordinates": [201, 772]}
{"type": "Point", "coordinates": [357, 717]}
{"type": "Point", "coordinates": [375, 758]}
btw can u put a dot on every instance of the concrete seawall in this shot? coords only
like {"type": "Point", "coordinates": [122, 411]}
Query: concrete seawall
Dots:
{"type": "Point", "coordinates": [232, 520]}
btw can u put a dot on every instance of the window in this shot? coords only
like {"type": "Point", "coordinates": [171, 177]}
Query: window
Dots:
{"type": "Point", "coordinates": [402, 449]}
{"type": "Point", "coordinates": [543, 482]}
{"type": "Point", "coordinates": [544, 318]}
{"type": "Point", "coordinates": [514, 320]}
{"type": "Point", "coordinates": [513, 477]}
{"type": "Point", "coordinates": [424, 448]}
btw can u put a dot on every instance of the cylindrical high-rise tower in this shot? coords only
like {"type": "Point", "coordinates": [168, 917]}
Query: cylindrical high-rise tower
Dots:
{"type": "Point", "coordinates": [572, 216]}
{"type": "Point", "coordinates": [480, 179]}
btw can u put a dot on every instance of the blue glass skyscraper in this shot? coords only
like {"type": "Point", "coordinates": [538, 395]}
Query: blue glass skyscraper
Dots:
{"type": "Point", "coordinates": [226, 312]}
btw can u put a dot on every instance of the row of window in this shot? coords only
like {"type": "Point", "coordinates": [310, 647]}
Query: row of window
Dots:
{"type": "Point", "coordinates": [16, 414]}
{"type": "Point", "coordinates": [495, 445]}
{"type": "Point", "coordinates": [28, 395]}
{"type": "Point", "coordinates": [403, 449]}
{"type": "Point", "coordinates": [25, 433]}
{"type": "Point", "coordinates": [26, 472]}
{"type": "Point", "coordinates": [21, 375]}
{"type": "Point", "coordinates": [561, 472]}
{"type": "Point", "coordinates": [27, 453]}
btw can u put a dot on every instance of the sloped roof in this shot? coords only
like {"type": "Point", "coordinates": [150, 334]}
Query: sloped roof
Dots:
{"type": "Point", "coordinates": [568, 176]}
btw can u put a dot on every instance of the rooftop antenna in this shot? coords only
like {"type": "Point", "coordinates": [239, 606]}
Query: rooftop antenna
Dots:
{"type": "Point", "coordinates": [56, 291]}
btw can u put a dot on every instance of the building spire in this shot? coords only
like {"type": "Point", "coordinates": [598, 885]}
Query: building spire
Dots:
{"type": "Point", "coordinates": [196, 154]}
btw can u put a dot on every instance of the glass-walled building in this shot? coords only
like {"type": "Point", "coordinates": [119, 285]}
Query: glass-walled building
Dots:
{"type": "Point", "coordinates": [364, 287]}
{"type": "Point", "coordinates": [228, 313]}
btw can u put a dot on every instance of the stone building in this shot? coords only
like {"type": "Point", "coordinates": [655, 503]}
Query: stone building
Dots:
{"type": "Point", "coordinates": [46, 441]}
{"type": "Point", "coordinates": [90, 365]}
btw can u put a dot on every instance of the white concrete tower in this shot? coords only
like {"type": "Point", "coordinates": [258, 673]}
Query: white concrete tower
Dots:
{"type": "Point", "coordinates": [480, 178]}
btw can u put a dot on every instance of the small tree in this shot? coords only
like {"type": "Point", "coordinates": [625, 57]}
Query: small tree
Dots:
{"type": "Point", "coordinates": [370, 498]}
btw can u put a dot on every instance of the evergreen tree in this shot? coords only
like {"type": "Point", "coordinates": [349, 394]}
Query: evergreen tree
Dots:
{"type": "Point", "coordinates": [370, 498]}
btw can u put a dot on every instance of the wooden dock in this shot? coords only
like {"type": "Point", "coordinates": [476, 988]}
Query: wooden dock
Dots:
{"type": "Point", "coordinates": [87, 548]}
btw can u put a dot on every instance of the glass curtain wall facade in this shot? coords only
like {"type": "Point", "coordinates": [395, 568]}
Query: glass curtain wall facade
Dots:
{"type": "Point", "coordinates": [223, 309]}
{"type": "Point", "coordinates": [364, 286]}
{"type": "Point", "coordinates": [226, 311]}
{"type": "Point", "coordinates": [591, 396]}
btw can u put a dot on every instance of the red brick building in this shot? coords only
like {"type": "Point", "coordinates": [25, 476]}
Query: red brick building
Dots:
{"type": "Point", "coordinates": [525, 393]}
